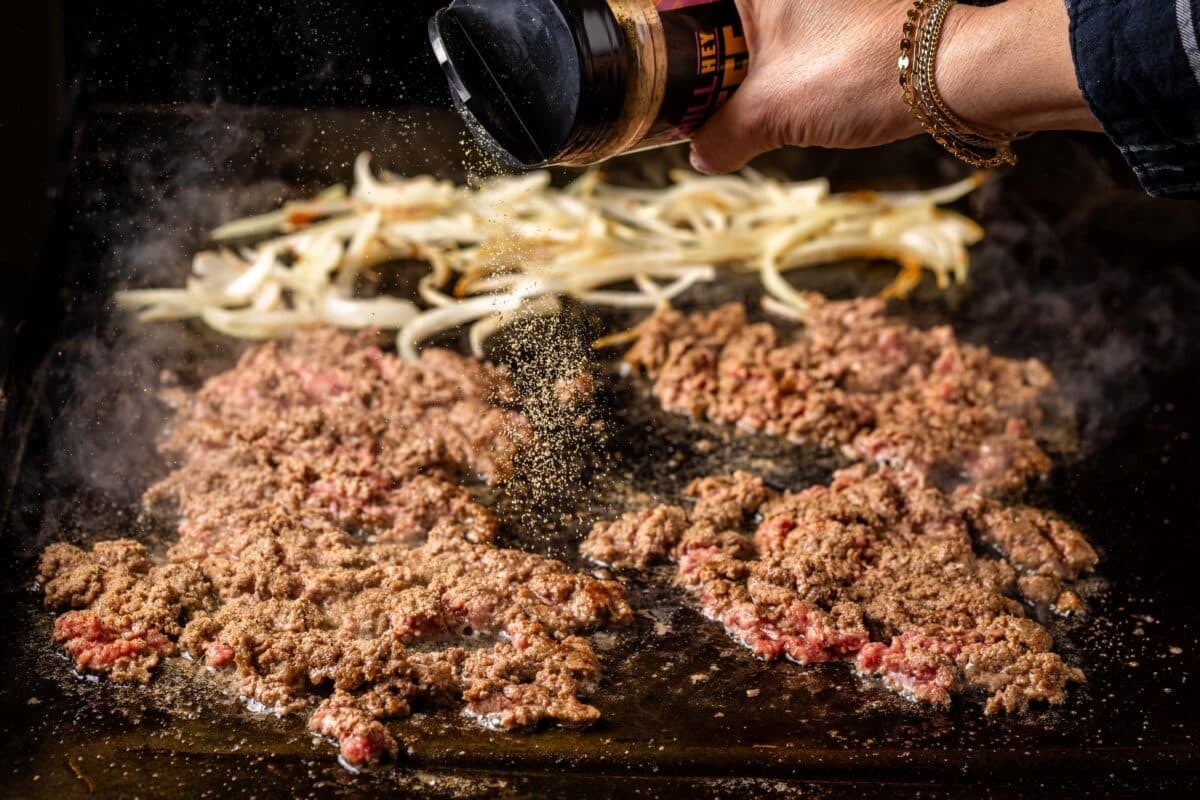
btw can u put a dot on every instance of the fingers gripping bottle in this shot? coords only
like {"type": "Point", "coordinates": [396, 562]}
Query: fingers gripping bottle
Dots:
{"type": "Point", "coordinates": [574, 82]}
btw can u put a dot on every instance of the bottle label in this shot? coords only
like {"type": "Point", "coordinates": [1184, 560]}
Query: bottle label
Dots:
{"type": "Point", "coordinates": [707, 60]}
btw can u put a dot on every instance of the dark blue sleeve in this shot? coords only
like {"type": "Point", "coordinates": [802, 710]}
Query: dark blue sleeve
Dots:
{"type": "Point", "coordinates": [1138, 65]}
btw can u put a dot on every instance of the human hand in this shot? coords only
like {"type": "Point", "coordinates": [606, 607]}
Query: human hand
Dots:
{"type": "Point", "coordinates": [824, 74]}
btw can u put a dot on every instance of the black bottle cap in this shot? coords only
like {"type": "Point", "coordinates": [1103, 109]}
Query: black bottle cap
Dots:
{"type": "Point", "coordinates": [536, 79]}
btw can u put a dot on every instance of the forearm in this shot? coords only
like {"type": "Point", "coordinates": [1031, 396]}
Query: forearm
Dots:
{"type": "Point", "coordinates": [1009, 67]}
{"type": "Point", "coordinates": [825, 74]}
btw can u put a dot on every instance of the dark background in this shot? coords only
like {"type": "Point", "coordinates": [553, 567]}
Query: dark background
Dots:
{"type": "Point", "coordinates": [306, 53]}
{"type": "Point", "coordinates": [63, 58]}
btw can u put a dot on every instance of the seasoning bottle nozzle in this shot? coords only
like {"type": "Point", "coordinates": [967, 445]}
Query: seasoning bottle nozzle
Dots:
{"type": "Point", "coordinates": [577, 81]}
{"type": "Point", "coordinates": [517, 73]}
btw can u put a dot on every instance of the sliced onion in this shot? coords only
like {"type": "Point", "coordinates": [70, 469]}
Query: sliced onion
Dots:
{"type": "Point", "coordinates": [644, 299]}
{"type": "Point", "coordinates": [513, 245]}
{"type": "Point", "coordinates": [781, 290]}
{"type": "Point", "coordinates": [248, 282]}
{"type": "Point", "coordinates": [437, 320]}
{"type": "Point", "coordinates": [782, 309]}
{"type": "Point", "coordinates": [416, 194]}
{"type": "Point", "coordinates": [250, 324]}
{"type": "Point", "coordinates": [386, 313]}
{"type": "Point", "coordinates": [250, 226]}
{"type": "Point", "coordinates": [140, 298]}
{"type": "Point", "coordinates": [941, 196]}
{"type": "Point", "coordinates": [269, 296]}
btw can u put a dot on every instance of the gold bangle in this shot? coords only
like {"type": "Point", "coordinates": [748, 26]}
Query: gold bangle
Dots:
{"type": "Point", "coordinates": [922, 34]}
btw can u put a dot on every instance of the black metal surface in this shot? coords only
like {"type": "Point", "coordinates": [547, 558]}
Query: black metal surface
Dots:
{"type": "Point", "coordinates": [1090, 276]}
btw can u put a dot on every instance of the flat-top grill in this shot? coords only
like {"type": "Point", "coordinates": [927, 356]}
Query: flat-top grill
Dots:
{"type": "Point", "coordinates": [1092, 279]}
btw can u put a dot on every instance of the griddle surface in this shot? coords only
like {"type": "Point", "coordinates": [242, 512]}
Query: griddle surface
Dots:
{"type": "Point", "coordinates": [145, 183]}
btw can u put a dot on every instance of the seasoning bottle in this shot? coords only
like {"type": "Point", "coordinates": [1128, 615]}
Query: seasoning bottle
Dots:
{"type": "Point", "coordinates": [574, 82]}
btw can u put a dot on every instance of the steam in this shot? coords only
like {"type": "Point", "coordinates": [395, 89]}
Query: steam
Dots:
{"type": "Point", "coordinates": [1105, 295]}
{"type": "Point", "coordinates": [109, 371]}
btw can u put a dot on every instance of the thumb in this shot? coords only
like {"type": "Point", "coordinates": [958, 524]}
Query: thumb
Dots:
{"type": "Point", "coordinates": [744, 127]}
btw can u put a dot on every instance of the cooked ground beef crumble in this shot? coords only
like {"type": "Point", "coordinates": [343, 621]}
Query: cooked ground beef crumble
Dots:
{"type": "Point", "coordinates": [326, 549]}
{"type": "Point", "coordinates": [856, 381]}
{"type": "Point", "coordinates": [878, 569]}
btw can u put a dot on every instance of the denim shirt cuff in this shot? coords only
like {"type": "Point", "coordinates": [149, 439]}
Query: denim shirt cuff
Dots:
{"type": "Point", "coordinates": [1139, 68]}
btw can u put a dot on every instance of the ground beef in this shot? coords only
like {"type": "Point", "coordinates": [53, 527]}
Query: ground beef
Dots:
{"type": "Point", "coordinates": [649, 535]}
{"type": "Point", "coordinates": [331, 425]}
{"type": "Point", "coordinates": [858, 381]}
{"type": "Point", "coordinates": [125, 649]}
{"type": "Point", "coordinates": [637, 539]}
{"type": "Point", "coordinates": [878, 569]}
{"type": "Point", "coordinates": [361, 738]}
{"type": "Point", "coordinates": [726, 502]}
{"type": "Point", "coordinates": [576, 389]}
{"type": "Point", "coordinates": [532, 679]}
{"type": "Point", "coordinates": [326, 546]}
{"type": "Point", "coordinates": [132, 611]}
{"type": "Point", "coordinates": [1031, 539]}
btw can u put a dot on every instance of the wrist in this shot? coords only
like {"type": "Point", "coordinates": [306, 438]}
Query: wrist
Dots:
{"type": "Point", "coordinates": [1008, 67]}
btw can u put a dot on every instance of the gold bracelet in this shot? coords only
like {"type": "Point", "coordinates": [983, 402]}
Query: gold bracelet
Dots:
{"type": "Point", "coordinates": [922, 34]}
